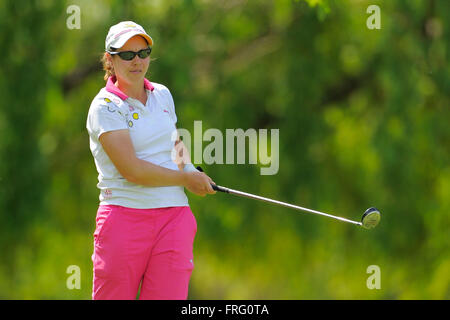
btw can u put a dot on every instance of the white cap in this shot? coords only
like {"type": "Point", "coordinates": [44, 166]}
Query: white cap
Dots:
{"type": "Point", "coordinates": [120, 33]}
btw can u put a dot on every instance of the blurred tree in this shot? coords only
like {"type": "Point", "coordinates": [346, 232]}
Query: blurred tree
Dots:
{"type": "Point", "coordinates": [25, 30]}
{"type": "Point", "coordinates": [362, 116]}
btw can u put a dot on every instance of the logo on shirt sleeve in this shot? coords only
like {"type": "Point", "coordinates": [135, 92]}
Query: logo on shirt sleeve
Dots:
{"type": "Point", "coordinates": [110, 105]}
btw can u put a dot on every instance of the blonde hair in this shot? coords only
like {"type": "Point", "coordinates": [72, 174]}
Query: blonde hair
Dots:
{"type": "Point", "coordinates": [107, 66]}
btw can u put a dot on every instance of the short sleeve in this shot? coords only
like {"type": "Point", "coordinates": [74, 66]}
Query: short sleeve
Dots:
{"type": "Point", "coordinates": [105, 117]}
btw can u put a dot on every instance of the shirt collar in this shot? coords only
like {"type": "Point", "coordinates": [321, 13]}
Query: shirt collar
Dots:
{"type": "Point", "coordinates": [110, 87]}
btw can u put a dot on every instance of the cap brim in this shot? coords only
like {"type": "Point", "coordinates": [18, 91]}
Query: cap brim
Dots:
{"type": "Point", "coordinates": [119, 44]}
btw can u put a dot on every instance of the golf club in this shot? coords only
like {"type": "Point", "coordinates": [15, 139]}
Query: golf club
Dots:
{"type": "Point", "coordinates": [369, 220]}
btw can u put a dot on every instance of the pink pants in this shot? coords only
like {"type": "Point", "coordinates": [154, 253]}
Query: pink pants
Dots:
{"type": "Point", "coordinates": [152, 248]}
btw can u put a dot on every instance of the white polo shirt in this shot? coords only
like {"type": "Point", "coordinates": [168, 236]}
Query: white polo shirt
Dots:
{"type": "Point", "coordinates": [151, 127]}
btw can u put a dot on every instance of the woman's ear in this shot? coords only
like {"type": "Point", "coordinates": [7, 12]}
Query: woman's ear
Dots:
{"type": "Point", "coordinates": [108, 57]}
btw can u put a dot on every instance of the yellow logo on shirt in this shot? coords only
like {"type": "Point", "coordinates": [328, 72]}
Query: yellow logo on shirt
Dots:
{"type": "Point", "coordinates": [107, 100]}
{"type": "Point", "coordinates": [135, 116]}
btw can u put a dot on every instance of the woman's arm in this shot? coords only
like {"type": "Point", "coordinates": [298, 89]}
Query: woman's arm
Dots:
{"type": "Point", "coordinates": [181, 156]}
{"type": "Point", "coordinates": [180, 153]}
{"type": "Point", "coordinates": [119, 147]}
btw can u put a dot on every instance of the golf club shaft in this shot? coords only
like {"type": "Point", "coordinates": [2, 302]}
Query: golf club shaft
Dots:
{"type": "Point", "coordinates": [284, 204]}
{"type": "Point", "coordinates": [280, 203]}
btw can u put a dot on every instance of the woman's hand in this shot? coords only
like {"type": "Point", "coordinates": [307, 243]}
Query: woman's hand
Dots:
{"type": "Point", "coordinates": [198, 183]}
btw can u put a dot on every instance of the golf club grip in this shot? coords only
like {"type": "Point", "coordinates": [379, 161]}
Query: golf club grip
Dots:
{"type": "Point", "coordinates": [215, 187]}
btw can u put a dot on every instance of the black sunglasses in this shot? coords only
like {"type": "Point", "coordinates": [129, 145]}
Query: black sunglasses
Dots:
{"type": "Point", "coordinates": [129, 55]}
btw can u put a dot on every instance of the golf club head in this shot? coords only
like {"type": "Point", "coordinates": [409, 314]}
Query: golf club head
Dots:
{"type": "Point", "coordinates": [370, 218]}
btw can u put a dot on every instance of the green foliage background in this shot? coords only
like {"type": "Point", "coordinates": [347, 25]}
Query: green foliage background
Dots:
{"type": "Point", "coordinates": [363, 118]}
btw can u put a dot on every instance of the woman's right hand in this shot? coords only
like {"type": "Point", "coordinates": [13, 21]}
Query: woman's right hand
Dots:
{"type": "Point", "coordinates": [198, 183]}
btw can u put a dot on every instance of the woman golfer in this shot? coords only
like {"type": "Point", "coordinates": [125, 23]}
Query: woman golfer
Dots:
{"type": "Point", "coordinates": [144, 227]}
